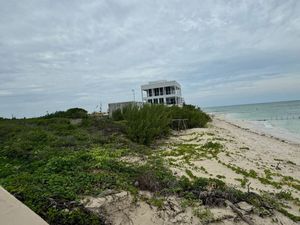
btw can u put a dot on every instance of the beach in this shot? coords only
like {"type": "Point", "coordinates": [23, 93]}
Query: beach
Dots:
{"type": "Point", "coordinates": [277, 119]}
{"type": "Point", "coordinates": [249, 149]}
{"type": "Point", "coordinates": [262, 128]}
{"type": "Point", "coordinates": [244, 159]}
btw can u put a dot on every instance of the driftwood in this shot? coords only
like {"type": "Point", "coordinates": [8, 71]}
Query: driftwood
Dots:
{"type": "Point", "coordinates": [238, 212]}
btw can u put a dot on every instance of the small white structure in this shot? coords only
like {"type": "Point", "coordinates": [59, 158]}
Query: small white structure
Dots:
{"type": "Point", "coordinates": [162, 92]}
{"type": "Point", "coordinates": [120, 105]}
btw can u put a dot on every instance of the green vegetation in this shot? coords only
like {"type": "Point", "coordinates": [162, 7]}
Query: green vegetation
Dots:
{"type": "Point", "coordinates": [189, 152]}
{"type": "Point", "coordinates": [190, 174]}
{"type": "Point", "coordinates": [204, 214]}
{"type": "Point", "coordinates": [268, 174]}
{"type": "Point", "coordinates": [117, 115]}
{"type": "Point", "coordinates": [157, 202]}
{"type": "Point", "coordinates": [291, 162]}
{"type": "Point", "coordinates": [195, 117]}
{"type": "Point", "coordinates": [289, 215]}
{"type": "Point", "coordinates": [244, 148]}
{"type": "Point", "coordinates": [287, 195]}
{"type": "Point", "coordinates": [70, 113]}
{"type": "Point", "coordinates": [50, 163]}
{"type": "Point", "coordinates": [251, 173]}
{"type": "Point", "coordinates": [147, 123]}
{"type": "Point", "coordinates": [267, 179]}
{"type": "Point", "coordinates": [243, 181]}
{"type": "Point", "coordinates": [220, 176]}
{"type": "Point", "coordinates": [205, 171]}
{"type": "Point", "coordinates": [144, 125]}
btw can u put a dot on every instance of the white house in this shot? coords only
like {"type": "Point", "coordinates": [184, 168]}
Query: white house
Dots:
{"type": "Point", "coordinates": [162, 92]}
{"type": "Point", "coordinates": [120, 105]}
{"type": "Point", "coordinates": [156, 92]}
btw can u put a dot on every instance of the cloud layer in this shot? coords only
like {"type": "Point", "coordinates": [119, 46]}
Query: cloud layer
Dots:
{"type": "Point", "coordinates": [60, 54]}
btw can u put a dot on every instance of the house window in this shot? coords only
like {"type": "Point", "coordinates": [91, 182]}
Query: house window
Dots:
{"type": "Point", "coordinates": [156, 91]}
{"type": "Point", "coordinates": [168, 90]}
{"type": "Point", "coordinates": [161, 91]}
{"type": "Point", "coordinates": [150, 101]}
{"type": "Point", "coordinates": [172, 90]}
{"type": "Point", "coordinates": [171, 101]}
{"type": "Point", "coordinates": [149, 92]}
{"type": "Point", "coordinates": [161, 101]}
{"type": "Point", "coordinates": [155, 101]}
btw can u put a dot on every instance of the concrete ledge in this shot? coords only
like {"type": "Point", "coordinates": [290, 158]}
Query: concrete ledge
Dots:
{"type": "Point", "coordinates": [14, 212]}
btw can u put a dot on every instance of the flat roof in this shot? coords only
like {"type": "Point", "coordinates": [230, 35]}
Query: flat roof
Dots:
{"type": "Point", "coordinates": [160, 83]}
{"type": "Point", "coordinates": [129, 102]}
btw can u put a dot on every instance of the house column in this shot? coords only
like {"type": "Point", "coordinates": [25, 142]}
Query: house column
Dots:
{"type": "Point", "coordinates": [164, 96]}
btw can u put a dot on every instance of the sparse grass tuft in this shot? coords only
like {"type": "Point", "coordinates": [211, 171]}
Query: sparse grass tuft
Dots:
{"type": "Point", "coordinates": [220, 176]}
{"type": "Point", "coordinates": [243, 181]}
{"type": "Point", "coordinates": [204, 214]}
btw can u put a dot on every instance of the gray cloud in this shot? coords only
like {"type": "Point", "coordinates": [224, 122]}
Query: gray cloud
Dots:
{"type": "Point", "coordinates": [60, 54]}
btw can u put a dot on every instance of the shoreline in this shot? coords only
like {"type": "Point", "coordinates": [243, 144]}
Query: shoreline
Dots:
{"type": "Point", "coordinates": [276, 133]}
{"type": "Point", "coordinates": [242, 159]}
{"type": "Point", "coordinates": [248, 159]}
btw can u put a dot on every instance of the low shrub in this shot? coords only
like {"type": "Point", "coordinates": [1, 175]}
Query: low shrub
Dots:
{"type": "Point", "coordinates": [117, 115]}
{"type": "Point", "coordinates": [70, 113]}
{"type": "Point", "coordinates": [155, 177]}
{"type": "Point", "coordinates": [146, 124]}
{"type": "Point", "coordinates": [195, 117]}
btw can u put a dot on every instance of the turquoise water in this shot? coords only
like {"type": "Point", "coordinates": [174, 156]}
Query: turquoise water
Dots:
{"type": "Point", "coordinates": [285, 115]}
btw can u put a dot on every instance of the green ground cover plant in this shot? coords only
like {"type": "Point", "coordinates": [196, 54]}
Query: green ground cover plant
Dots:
{"type": "Point", "coordinates": [47, 163]}
{"type": "Point", "coordinates": [50, 164]}
{"type": "Point", "coordinates": [189, 152]}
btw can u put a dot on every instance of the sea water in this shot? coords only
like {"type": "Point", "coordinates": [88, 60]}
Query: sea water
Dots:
{"type": "Point", "coordinates": [273, 116]}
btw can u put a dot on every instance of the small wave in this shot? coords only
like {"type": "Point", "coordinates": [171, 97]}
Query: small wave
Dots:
{"type": "Point", "coordinates": [267, 124]}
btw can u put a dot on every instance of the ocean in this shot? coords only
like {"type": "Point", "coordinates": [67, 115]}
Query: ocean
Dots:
{"type": "Point", "coordinates": [273, 117]}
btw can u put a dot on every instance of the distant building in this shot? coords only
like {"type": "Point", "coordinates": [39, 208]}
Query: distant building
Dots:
{"type": "Point", "coordinates": [99, 114]}
{"type": "Point", "coordinates": [120, 105]}
{"type": "Point", "coordinates": [162, 92]}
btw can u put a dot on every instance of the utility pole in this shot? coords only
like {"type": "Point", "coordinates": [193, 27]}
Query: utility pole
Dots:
{"type": "Point", "coordinates": [133, 92]}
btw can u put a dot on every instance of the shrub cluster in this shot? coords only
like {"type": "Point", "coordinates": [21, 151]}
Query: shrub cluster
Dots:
{"type": "Point", "coordinates": [147, 123]}
{"type": "Point", "coordinates": [194, 115]}
{"type": "Point", "coordinates": [117, 115]}
{"type": "Point", "coordinates": [72, 113]}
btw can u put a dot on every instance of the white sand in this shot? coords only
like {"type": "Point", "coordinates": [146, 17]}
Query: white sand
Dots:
{"type": "Point", "coordinates": [242, 148]}
{"type": "Point", "coordinates": [247, 150]}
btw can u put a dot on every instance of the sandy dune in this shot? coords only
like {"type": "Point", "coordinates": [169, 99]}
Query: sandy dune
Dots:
{"type": "Point", "coordinates": [270, 165]}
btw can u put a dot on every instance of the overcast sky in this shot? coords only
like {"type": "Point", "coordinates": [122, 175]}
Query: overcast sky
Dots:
{"type": "Point", "coordinates": [77, 53]}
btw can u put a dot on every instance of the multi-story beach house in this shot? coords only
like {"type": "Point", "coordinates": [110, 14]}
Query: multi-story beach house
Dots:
{"type": "Point", "coordinates": [156, 92]}
{"type": "Point", "coordinates": [162, 92]}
